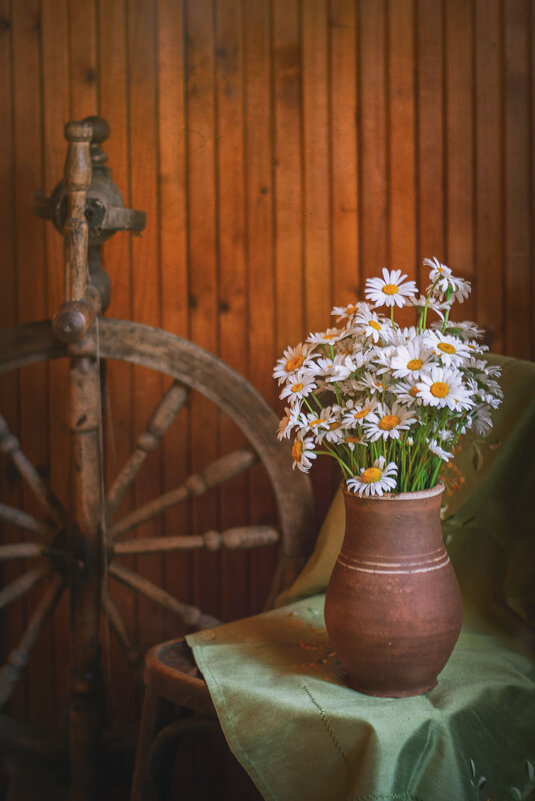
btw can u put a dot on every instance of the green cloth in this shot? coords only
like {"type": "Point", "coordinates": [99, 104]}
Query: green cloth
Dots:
{"type": "Point", "coordinates": [302, 734]}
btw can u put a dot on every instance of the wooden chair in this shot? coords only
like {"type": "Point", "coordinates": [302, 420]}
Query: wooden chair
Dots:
{"type": "Point", "coordinates": [177, 701]}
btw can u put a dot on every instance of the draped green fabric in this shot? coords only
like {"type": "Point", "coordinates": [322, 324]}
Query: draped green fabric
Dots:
{"type": "Point", "coordinates": [302, 734]}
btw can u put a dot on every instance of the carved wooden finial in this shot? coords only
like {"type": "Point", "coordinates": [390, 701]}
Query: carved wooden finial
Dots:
{"type": "Point", "coordinates": [78, 131]}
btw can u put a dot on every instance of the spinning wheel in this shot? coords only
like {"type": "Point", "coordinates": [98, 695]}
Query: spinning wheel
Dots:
{"type": "Point", "coordinates": [80, 548]}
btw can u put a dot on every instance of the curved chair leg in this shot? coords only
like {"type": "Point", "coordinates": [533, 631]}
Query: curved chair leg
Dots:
{"type": "Point", "coordinates": [155, 738]}
{"type": "Point", "coordinates": [156, 712]}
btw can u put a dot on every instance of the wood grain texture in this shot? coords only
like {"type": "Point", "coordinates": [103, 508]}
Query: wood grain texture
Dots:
{"type": "Point", "coordinates": [283, 150]}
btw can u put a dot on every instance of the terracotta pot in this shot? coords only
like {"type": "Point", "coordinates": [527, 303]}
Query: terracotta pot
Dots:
{"type": "Point", "coordinates": [393, 607]}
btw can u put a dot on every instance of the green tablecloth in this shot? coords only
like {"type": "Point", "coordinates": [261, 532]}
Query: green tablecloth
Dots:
{"type": "Point", "coordinates": [302, 734]}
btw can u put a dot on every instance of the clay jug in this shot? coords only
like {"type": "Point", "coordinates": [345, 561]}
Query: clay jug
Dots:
{"type": "Point", "coordinates": [393, 606]}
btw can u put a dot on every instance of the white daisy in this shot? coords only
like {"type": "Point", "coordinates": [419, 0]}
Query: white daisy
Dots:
{"type": "Point", "coordinates": [476, 347]}
{"type": "Point", "coordinates": [371, 382]}
{"type": "Point", "coordinates": [336, 369]}
{"type": "Point", "coordinates": [373, 326]}
{"type": "Point", "coordinates": [435, 448]}
{"type": "Point", "coordinates": [466, 330]}
{"type": "Point", "coordinates": [335, 433]}
{"type": "Point", "coordinates": [411, 359]}
{"type": "Point", "coordinates": [328, 337]}
{"type": "Point", "coordinates": [452, 350]}
{"type": "Point", "coordinates": [401, 336]}
{"type": "Point", "coordinates": [299, 386]}
{"type": "Point", "coordinates": [374, 480]}
{"type": "Point", "coordinates": [432, 303]}
{"type": "Point", "coordinates": [444, 387]}
{"type": "Point", "coordinates": [354, 414]}
{"type": "Point", "coordinates": [288, 423]}
{"type": "Point", "coordinates": [407, 393]}
{"type": "Point", "coordinates": [389, 290]}
{"type": "Point", "coordinates": [388, 423]}
{"type": "Point", "coordinates": [347, 312]}
{"type": "Point", "coordinates": [481, 419]}
{"type": "Point", "coordinates": [313, 423]}
{"type": "Point", "coordinates": [292, 360]}
{"type": "Point", "coordinates": [462, 290]}
{"type": "Point", "coordinates": [438, 271]}
{"type": "Point", "coordinates": [351, 440]}
{"type": "Point", "coordinates": [443, 281]}
{"type": "Point", "coordinates": [303, 453]}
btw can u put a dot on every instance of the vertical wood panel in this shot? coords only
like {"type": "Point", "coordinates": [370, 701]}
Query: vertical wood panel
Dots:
{"type": "Point", "coordinates": [32, 305]}
{"type": "Point", "coordinates": [431, 178]}
{"type": "Point", "coordinates": [459, 144]}
{"type": "Point", "coordinates": [402, 149]}
{"type": "Point", "coordinates": [146, 285]}
{"type": "Point", "coordinates": [316, 201]}
{"type": "Point", "coordinates": [119, 417]}
{"type": "Point", "coordinates": [202, 195]}
{"type": "Point", "coordinates": [373, 144]}
{"type": "Point", "coordinates": [172, 138]}
{"type": "Point", "coordinates": [288, 173]}
{"type": "Point", "coordinates": [518, 308]}
{"type": "Point", "coordinates": [13, 619]}
{"type": "Point", "coordinates": [488, 156]}
{"type": "Point", "coordinates": [232, 288]}
{"type": "Point", "coordinates": [344, 180]}
{"type": "Point", "coordinates": [259, 189]}
{"type": "Point", "coordinates": [56, 110]}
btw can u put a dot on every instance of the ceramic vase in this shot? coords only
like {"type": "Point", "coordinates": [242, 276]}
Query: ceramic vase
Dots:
{"type": "Point", "coordinates": [393, 607]}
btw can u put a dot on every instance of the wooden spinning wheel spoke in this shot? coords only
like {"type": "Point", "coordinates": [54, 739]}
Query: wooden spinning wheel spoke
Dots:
{"type": "Point", "coordinates": [23, 584]}
{"type": "Point", "coordinates": [21, 550]}
{"type": "Point", "coordinates": [216, 473]}
{"type": "Point", "coordinates": [10, 445]}
{"type": "Point", "coordinates": [162, 417]}
{"type": "Point", "coordinates": [231, 539]}
{"type": "Point", "coordinates": [25, 521]}
{"type": "Point", "coordinates": [189, 614]}
{"type": "Point", "coordinates": [18, 658]}
{"type": "Point", "coordinates": [133, 655]}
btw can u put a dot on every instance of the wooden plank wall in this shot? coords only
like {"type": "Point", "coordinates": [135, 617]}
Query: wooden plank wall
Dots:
{"type": "Point", "coordinates": [284, 150]}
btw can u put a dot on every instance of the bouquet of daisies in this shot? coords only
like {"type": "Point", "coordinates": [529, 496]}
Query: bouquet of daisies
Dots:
{"type": "Point", "coordinates": [389, 403]}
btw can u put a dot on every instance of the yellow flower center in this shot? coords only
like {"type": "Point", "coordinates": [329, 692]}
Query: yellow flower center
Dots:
{"type": "Point", "coordinates": [390, 289]}
{"type": "Point", "coordinates": [439, 389]}
{"type": "Point", "coordinates": [388, 422]}
{"type": "Point", "coordinates": [445, 347]}
{"type": "Point", "coordinates": [297, 450]}
{"type": "Point", "coordinates": [374, 324]}
{"type": "Point", "coordinates": [414, 364]}
{"type": "Point", "coordinates": [353, 439]}
{"type": "Point", "coordinates": [294, 363]}
{"type": "Point", "coordinates": [361, 414]}
{"type": "Point", "coordinates": [351, 309]}
{"type": "Point", "coordinates": [330, 336]}
{"type": "Point", "coordinates": [414, 391]}
{"type": "Point", "coordinates": [334, 426]}
{"type": "Point", "coordinates": [315, 422]}
{"type": "Point", "coordinates": [297, 387]}
{"type": "Point", "coordinates": [371, 475]}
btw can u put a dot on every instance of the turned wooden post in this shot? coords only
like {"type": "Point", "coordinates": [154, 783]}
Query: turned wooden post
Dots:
{"type": "Point", "coordinates": [75, 316]}
{"type": "Point", "coordinates": [86, 579]}
{"type": "Point", "coordinates": [74, 320]}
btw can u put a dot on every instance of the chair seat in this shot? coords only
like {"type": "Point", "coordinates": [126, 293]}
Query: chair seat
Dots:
{"type": "Point", "coordinates": [171, 672]}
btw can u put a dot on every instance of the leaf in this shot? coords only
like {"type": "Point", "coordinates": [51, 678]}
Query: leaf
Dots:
{"type": "Point", "coordinates": [516, 792]}
{"type": "Point", "coordinates": [482, 782]}
{"type": "Point", "coordinates": [473, 768]}
{"type": "Point", "coordinates": [531, 770]}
